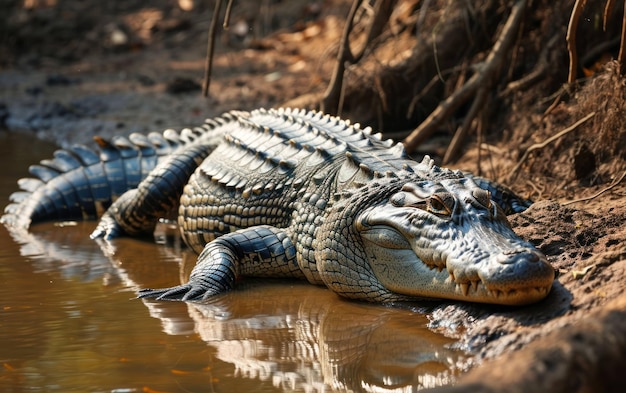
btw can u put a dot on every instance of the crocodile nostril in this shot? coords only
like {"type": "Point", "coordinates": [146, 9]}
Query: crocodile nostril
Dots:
{"type": "Point", "coordinates": [516, 256]}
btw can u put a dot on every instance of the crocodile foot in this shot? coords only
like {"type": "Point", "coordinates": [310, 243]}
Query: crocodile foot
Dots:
{"type": "Point", "coordinates": [107, 229]}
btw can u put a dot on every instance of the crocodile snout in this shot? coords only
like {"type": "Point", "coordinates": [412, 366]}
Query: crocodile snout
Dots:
{"type": "Point", "coordinates": [523, 275]}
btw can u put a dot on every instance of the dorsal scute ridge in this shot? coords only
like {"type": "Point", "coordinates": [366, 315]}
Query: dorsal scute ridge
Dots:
{"type": "Point", "coordinates": [121, 142]}
{"type": "Point", "coordinates": [140, 140]}
{"type": "Point", "coordinates": [43, 172]}
{"type": "Point", "coordinates": [172, 137]}
{"type": "Point", "coordinates": [261, 154]}
{"type": "Point", "coordinates": [162, 145]}
{"type": "Point", "coordinates": [85, 154]}
{"type": "Point", "coordinates": [399, 150]}
{"type": "Point", "coordinates": [66, 160]}
{"type": "Point", "coordinates": [187, 135]}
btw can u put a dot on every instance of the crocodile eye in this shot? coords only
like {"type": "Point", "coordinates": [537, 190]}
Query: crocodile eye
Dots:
{"type": "Point", "coordinates": [405, 199]}
{"type": "Point", "coordinates": [483, 197]}
{"type": "Point", "coordinates": [398, 199]}
{"type": "Point", "coordinates": [437, 206]}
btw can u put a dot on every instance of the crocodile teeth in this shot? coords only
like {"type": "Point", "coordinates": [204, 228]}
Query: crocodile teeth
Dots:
{"type": "Point", "coordinates": [465, 288]}
{"type": "Point", "coordinates": [474, 285]}
{"type": "Point", "coordinates": [497, 293]}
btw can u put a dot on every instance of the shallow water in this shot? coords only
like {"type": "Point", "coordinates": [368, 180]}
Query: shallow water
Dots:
{"type": "Point", "coordinates": [69, 321]}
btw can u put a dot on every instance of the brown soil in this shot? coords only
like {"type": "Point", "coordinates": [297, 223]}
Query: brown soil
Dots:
{"type": "Point", "coordinates": [90, 67]}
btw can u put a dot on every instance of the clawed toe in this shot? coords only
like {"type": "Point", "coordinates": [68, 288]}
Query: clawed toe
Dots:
{"type": "Point", "coordinates": [175, 293]}
{"type": "Point", "coordinates": [184, 292]}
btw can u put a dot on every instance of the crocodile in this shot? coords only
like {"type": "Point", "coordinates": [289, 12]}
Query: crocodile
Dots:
{"type": "Point", "coordinates": [298, 194]}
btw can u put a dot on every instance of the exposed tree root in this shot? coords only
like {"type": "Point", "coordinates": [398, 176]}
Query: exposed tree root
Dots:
{"type": "Point", "coordinates": [482, 79]}
{"type": "Point", "coordinates": [571, 36]}
{"type": "Point", "coordinates": [571, 39]}
{"type": "Point", "coordinates": [537, 73]}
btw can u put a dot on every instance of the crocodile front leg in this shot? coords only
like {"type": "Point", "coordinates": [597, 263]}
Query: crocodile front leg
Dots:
{"type": "Point", "coordinates": [260, 251]}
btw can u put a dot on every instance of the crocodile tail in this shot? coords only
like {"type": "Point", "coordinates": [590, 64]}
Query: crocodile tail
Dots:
{"type": "Point", "coordinates": [81, 182]}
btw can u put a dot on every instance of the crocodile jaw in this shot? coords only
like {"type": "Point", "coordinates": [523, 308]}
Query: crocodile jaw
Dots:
{"type": "Point", "coordinates": [413, 253]}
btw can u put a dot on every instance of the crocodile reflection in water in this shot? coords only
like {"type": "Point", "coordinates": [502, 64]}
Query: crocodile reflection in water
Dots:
{"type": "Point", "coordinates": [317, 342]}
{"type": "Point", "coordinates": [296, 336]}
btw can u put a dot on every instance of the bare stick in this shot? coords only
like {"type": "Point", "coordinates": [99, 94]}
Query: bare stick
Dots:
{"type": "Point", "coordinates": [597, 194]}
{"type": "Point", "coordinates": [543, 144]}
{"type": "Point", "coordinates": [486, 70]}
{"type": "Point", "coordinates": [608, 8]}
{"type": "Point", "coordinates": [571, 39]}
{"type": "Point", "coordinates": [540, 68]}
{"type": "Point", "coordinates": [229, 7]}
{"type": "Point", "coordinates": [621, 56]}
{"type": "Point", "coordinates": [331, 97]}
{"type": "Point", "coordinates": [208, 65]}
{"type": "Point", "coordinates": [459, 136]}
{"type": "Point", "coordinates": [333, 100]}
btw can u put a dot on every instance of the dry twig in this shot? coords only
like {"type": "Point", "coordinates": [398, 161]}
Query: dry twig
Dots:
{"type": "Point", "coordinates": [332, 95]}
{"type": "Point", "coordinates": [597, 194]}
{"type": "Point", "coordinates": [621, 56]}
{"type": "Point", "coordinates": [571, 36]}
{"type": "Point", "coordinates": [538, 71]}
{"type": "Point", "coordinates": [208, 64]}
{"type": "Point", "coordinates": [381, 13]}
{"type": "Point", "coordinates": [546, 142]}
{"type": "Point", "coordinates": [483, 77]}
{"type": "Point", "coordinates": [457, 141]}
{"type": "Point", "coordinates": [571, 39]}
{"type": "Point", "coordinates": [229, 8]}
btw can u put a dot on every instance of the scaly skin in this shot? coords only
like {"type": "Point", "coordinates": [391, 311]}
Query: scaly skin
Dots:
{"type": "Point", "coordinates": [297, 194]}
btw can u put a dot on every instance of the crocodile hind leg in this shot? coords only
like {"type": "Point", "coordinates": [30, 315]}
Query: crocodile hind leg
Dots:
{"type": "Point", "coordinates": [137, 211]}
{"type": "Point", "coordinates": [261, 251]}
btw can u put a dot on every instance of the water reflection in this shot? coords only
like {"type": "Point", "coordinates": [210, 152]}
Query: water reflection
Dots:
{"type": "Point", "coordinates": [69, 322]}
{"type": "Point", "coordinates": [314, 340]}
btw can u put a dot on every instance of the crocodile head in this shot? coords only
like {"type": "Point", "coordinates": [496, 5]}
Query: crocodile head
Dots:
{"type": "Point", "coordinates": [448, 239]}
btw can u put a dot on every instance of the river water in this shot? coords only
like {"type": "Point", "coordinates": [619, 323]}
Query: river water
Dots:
{"type": "Point", "coordinates": [69, 321]}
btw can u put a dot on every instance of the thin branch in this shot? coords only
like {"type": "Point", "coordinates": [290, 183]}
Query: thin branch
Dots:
{"type": "Point", "coordinates": [331, 96]}
{"type": "Point", "coordinates": [425, 91]}
{"type": "Point", "coordinates": [621, 56]}
{"type": "Point", "coordinates": [571, 39]}
{"type": "Point", "coordinates": [608, 8]}
{"type": "Point", "coordinates": [597, 194]}
{"type": "Point", "coordinates": [540, 68]}
{"type": "Point", "coordinates": [543, 144]}
{"type": "Point", "coordinates": [381, 11]}
{"type": "Point", "coordinates": [459, 136]}
{"type": "Point", "coordinates": [208, 65]}
{"type": "Point", "coordinates": [229, 7]}
{"type": "Point", "coordinates": [487, 70]}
